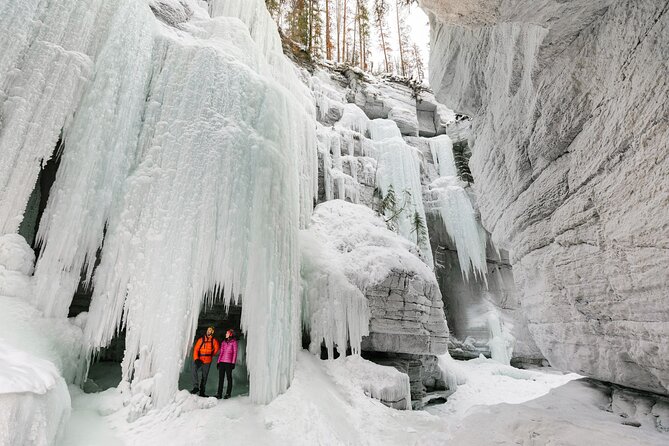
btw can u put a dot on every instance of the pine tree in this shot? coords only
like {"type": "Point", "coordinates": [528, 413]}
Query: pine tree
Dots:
{"type": "Point", "coordinates": [380, 17]}
{"type": "Point", "coordinates": [402, 36]}
{"type": "Point", "coordinates": [419, 228]}
{"type": "Point", "coordinates": [389, 202]}
{"type": "Point", "coordinates": [274, 8]}
{"type": "Point", "coordinates": [417, 63]}
{"type": "Point", "coordinates": [461, 155]}
{"type": "Point", "coordinates": [315, 28]}
{"type": "Point", "coordinates": [363, 33]}
{"type": "Point", "coordinates": [328, 32]}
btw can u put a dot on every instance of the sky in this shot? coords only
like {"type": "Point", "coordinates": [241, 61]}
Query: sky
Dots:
{"type": "Point", "coordinates": [420, 33]}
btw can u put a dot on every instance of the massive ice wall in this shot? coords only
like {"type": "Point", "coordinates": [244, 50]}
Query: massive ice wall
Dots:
{"type": "Point", "coordinates": [570, 157]}
{"type": "Point", "coordinates": [188, 157]}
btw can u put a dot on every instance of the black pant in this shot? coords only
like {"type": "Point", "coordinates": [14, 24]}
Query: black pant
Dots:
{"type": "Point", "coordinates": [225, 370]}
{"type": "Point", "coordinates": [197, 366]}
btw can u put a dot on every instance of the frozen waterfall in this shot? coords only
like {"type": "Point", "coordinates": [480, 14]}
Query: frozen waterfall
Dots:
{"type": "Point", "coordinates": [180, 142]}
{"type": "Point", "coordinates": [447, 196]}
{"type": "Point", "coordinates": [398, 168]}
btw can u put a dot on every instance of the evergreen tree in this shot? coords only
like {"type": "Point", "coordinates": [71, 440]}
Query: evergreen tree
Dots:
{"type": "Point", "coordinates": [461, 155]}
{"type": "Point", "coordinates": [419, 228]}
{"type": "Point", "coordinates": [363, 33]}
{"type": "Point", "coordinates": [381, 19]}
{"type": "Point", "coordinates": [417, 63]}
{"type": "Point", "coordinates": [328, 32]}
{"type": "Point", "coordinates": [402, 36]}
{"type": "Point", "coordinates": [315, 28]}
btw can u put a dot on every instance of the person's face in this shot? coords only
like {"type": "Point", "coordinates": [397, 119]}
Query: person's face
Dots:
{"type": "Point", "coordinates": [227, 334]}
{"type": "Point", "coordinates": [210, 331]}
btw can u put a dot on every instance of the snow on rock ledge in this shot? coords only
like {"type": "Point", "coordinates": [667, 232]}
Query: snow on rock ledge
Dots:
{"type": "Point", "coordinates": [384, 383]}
{"type": "Point", "coordinates": [405, 307]}
{"type": "Point", "coordinates": [570, 160]}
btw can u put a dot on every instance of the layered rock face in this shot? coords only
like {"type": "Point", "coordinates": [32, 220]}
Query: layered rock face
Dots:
{"type": "Point", "coordinates": [406, 316]}
{"type": "Point", "coordinates": [570, 143]}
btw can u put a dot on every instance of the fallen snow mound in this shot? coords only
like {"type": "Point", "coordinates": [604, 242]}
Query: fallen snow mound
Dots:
{"type": "Point", "coordinates": [368, 250]}
{"type": "Point", "coordinates": [22, 372]}
{"type": "Point", "coordinates": [16, 255]}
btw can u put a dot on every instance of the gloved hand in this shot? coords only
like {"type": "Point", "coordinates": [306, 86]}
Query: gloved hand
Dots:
{"type": "Point", "coordinates": [198, 361]}
{"type": "Point", "coordinates": [218, 366]}
{"type": "Point", "coordinates": [233, 366]}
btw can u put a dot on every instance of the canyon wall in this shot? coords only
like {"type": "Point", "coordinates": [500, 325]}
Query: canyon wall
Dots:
{"type": "Point", "coordinates": [570, 143]}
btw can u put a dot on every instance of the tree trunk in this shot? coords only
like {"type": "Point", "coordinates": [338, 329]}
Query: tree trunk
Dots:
{"type": "Point", "coordinates": [328, 37]}
{"type": "Point", "coordinates": [343, 38]}
{"type": "Point", "coordinates": [338, 31]}
{"type": "Point", "coordinates": [363, 62]}
{"type": "Point", "coordinates": [355, 30]}
{"type": "Point", "coordinates": [399, 37]}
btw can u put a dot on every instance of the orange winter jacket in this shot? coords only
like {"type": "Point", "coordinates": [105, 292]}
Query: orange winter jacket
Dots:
{"type": "Point", "coordinates": [205, 349]}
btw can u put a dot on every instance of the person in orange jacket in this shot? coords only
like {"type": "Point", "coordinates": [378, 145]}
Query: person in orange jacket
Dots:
{"type": "Point", "coordinates": [203, 352]}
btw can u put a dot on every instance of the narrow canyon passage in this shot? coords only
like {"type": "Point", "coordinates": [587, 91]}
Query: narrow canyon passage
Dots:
{"type": "Point", "coordinates": [460, 242]}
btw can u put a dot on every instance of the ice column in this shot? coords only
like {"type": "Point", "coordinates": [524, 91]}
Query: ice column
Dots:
{"type": "Point", "coordinates": [213, 203]}
{"type": "Point", "coordinates": [101, 142]}
{"type": "Point", "coordinates": [191, 150]}
{"type": "Point", "coordinates": [263, 30]}
{"type": "Point", "coordinates": [500, 343]}
{"type": "Point", "coordinates": [334, 309]}
{"type": "Point", "coordinates": [399, 167]}
{"type": "Point", "coordinates": [44, 65]}
{"type": "Point", "coordinates": [447, 196]}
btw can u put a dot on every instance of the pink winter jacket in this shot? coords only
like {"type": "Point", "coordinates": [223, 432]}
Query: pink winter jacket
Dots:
{"type": "Point", "coordinates": [228, 351]}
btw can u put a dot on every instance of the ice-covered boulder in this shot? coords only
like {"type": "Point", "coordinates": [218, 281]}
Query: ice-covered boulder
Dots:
{"type": "Point", "coordinates": [386, 384]}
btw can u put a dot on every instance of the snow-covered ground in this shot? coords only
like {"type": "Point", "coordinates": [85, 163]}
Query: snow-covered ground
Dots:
{"type": "Point", "coordinates": [496, 405]}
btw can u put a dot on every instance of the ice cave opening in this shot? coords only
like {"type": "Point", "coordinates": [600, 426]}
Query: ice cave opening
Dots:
{"type": "Point", "coordinates": [215, 313]}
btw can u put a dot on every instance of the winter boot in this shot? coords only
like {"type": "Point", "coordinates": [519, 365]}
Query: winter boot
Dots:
{"type": "Point", "coordinates": [226, 397]}
{"type": "Point", "coordinates": [219, 396]}
{"type": "Point", "coordinates": [195, 390]}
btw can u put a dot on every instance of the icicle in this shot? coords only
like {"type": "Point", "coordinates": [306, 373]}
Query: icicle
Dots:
{"type": "Point", "coordinates": [334, 310]}
{"type": "Point", "coordinates": [198, 218]}
{"type": "Point", "coordinates": [201, 180]}
{"type": "Point", "coordinates": [97, 160]}
{"type": "Point", "coordinates": [447, 196]}
{"type": "Point", "coordinates": [43, 69]}
{"type": "Point", "coordinates": [399, 168]}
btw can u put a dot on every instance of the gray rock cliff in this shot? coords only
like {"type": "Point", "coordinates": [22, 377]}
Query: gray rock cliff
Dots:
{"type": "Point", "coordinates": [570, 143]}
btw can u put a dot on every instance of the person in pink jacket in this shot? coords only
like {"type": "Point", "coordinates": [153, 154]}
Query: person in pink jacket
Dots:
{"type": "Point", "coordinates": [226, 362]}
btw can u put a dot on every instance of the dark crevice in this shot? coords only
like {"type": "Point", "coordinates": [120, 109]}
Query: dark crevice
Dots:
{"type": "Point", "coordinates": [39, 198]}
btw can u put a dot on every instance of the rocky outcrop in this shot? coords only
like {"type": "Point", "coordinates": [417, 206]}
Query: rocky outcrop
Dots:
{"type": "Point", "coordinates": [570, 147]}
{"type": "Point", "coordinates": [406, 316]}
